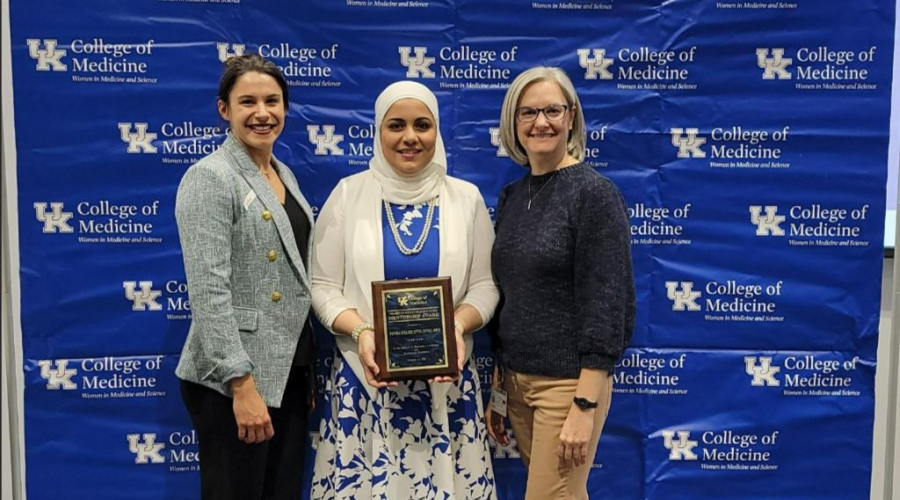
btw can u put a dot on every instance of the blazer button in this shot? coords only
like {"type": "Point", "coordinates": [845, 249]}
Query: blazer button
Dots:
{"type": "Point", "coordinates": [276, 296]}
{"type": "Point", "coordinates": [267, 215]}
{"type": "Point", "coordinates": [271, 256]}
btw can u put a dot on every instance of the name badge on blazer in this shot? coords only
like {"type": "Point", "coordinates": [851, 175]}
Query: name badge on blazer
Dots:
{"type": "Point", "coordinates": [249, 199]}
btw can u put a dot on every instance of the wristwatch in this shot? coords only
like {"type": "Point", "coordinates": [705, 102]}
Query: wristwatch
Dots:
{"type": "Point", "coordinates": [585, 404]}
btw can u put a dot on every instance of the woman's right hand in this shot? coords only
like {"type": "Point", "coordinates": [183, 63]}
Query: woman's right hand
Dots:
{"type": "Point", "coordinates": [250, 411]}
{"type": "Point", "coordinates": [367, 358]}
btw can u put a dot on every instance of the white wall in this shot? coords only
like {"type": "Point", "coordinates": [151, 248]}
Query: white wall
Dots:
{"type": "Point", "coordinates": [11, 457]}
{"type": "Point", "coordinates": [6, 457]}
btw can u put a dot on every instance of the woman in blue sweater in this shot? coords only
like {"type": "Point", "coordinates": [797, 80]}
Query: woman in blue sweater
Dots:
{"type": "Point", "coordinates": [562, 260]}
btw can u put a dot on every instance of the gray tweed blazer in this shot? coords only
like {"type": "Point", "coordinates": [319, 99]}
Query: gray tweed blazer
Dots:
{"type": "Point", "coordinates": [248, 287]}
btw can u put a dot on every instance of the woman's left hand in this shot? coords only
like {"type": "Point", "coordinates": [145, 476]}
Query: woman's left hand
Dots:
{"type": "Point", "coordinates": [576, 435]}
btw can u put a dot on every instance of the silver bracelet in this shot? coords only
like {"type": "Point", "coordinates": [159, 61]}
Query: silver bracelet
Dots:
{"type": "Point", "coordinates": [354, 334]}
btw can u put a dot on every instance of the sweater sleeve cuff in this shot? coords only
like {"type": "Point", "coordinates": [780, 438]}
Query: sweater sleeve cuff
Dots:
{"type": "Point", "coordinates": [598, 361]}
{"type": "Point", "coordinates": [485, 312]}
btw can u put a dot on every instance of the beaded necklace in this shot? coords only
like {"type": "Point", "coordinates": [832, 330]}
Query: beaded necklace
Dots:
{"type": "Point", "coordinates": [420, 244]}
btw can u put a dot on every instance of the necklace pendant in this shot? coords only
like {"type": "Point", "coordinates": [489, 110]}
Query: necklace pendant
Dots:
{"type": "Point", "coordinates": [529, 205]}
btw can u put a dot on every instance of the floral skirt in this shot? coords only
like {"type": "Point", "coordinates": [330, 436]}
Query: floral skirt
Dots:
{"type": "Point", "coordinates": [402, 444]}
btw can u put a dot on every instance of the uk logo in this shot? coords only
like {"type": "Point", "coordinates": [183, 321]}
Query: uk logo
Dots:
{"type": "Point", "coordinates": [57, 375]}
{"type": "Point", "coordinates": [682, 449]}
{"type": "Point", "coordinates": [228, 50]}
{"type": "Point", "coordinates": [775, 66]}
{"type": "Point", "coordinates": [56, 221]}
{"type": "Point", "coordinates": [146, 298]}
{"type": "Point", "coordinates": [763, 373]}
{"type": "Point", "coordinates": [138, 141]}
{"type": "Point", "coordinates": [683, 299]}
{"type": "Point", "coordinates": [495, 141]}
{"type": "Point", "coordinates": [509, 450]}
{"type": "Point", "coordinates": [327, 141]}
{"type": "Point", "coordinates": [418, 67]}
{"type": "Point", "coordinates": [48, 57]}
{"type": "Point", "coordinates": [688, 147]}
{"type": "Point", "coordinates": [768, 224]}
{"type": "Point", "coordinates": [596, 66]}
{"type": "Point", "coordinates": [147, 451]}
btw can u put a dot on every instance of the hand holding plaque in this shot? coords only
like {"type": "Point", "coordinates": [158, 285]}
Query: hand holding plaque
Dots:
{"type": "Point", "coordinates": [414, 334]}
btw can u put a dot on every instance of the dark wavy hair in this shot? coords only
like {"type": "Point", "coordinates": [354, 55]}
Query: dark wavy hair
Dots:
{"type": "Point", "coordinates": [237, 66]}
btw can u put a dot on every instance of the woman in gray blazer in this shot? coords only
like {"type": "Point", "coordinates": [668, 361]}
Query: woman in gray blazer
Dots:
{"type": "Point", "coordinates": [246, 235]}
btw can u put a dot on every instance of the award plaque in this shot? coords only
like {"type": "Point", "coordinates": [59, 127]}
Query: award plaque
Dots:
{"type": "Point", "coordinates": [414, 330]}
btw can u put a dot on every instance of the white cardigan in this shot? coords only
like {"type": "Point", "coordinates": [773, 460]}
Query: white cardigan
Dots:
{"type": "Point", "coordinates": [348, 256]}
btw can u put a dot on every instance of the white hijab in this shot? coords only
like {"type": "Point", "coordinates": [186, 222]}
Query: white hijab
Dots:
{"type": "Point", "coordinates": [426, 184]}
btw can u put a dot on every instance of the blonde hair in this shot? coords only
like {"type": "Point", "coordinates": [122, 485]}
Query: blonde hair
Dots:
{"type": "Point", "coordinates": [577, 137]}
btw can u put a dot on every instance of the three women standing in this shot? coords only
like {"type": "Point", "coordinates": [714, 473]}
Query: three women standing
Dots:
{"type": "Point", "coordinates": [562, 259]}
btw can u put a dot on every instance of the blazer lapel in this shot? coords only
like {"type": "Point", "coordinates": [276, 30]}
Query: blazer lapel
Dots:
{"type": "Point", "coordinates": [259, 185]}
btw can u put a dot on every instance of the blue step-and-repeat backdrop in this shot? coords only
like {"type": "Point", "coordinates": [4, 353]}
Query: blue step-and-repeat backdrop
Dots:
{"type": "Point", "coordinates": [750, 139]}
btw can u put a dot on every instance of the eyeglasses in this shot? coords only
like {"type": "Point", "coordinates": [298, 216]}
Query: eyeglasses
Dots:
{"type": "Point", "coordinates": [553, 112]}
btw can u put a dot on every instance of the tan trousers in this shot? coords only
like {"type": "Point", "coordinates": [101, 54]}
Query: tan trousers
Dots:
{"type": "Point", "coordinates": [537, 408]}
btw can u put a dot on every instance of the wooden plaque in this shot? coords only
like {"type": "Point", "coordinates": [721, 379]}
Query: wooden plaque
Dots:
{"type": "Point", "coordinates": [414, 329]}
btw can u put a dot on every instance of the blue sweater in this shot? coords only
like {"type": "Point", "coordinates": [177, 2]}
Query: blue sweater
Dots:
{"type": "Point", "coordinates": [564, 268]}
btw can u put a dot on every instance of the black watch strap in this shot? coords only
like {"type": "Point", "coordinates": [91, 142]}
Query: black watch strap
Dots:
{"type": "Point", "coordinates": [585, 404]}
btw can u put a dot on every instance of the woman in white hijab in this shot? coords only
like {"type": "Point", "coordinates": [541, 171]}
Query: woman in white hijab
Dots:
{"type": "Point", "coordinates": [402, 218]}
